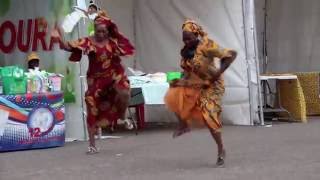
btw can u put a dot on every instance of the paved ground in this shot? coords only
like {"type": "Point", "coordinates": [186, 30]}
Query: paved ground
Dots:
{"type": "Point", "coordinates": [282, 152]}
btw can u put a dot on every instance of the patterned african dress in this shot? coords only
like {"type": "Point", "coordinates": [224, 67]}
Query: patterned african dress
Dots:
{"type": "Point", "coordinates": [105, 77]}
{"type": "Point", "coordinates": [198, 99]}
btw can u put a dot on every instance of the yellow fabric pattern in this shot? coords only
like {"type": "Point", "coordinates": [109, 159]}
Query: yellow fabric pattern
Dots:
{"type": "Point", "coordinates": [192, 26]}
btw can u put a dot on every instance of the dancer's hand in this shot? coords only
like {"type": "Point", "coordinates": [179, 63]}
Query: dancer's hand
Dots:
{"type": "Point", "coordinates": [56, 33]}
{"type": "Point", "coordinates": [174, 83]}
{"type": "Point", "coordinates": [231, 54]}
{"type": "Point", "coordinates": [225, 63]}
{"type": "Point", "coordinates": [177, 83]}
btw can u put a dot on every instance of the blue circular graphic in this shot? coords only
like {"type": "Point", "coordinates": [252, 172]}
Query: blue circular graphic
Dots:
{"type": "Point", "coordinates": [41, 121]}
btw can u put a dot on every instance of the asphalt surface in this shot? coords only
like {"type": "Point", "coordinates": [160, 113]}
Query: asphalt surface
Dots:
{"type": "Point", "coordinates": [284, 151]}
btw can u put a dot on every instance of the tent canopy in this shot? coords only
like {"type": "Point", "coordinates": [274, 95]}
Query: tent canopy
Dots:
{"type": "Point", "coordinates": [292, 34]}
{"type": "Point", "coordinates": [155, 28]}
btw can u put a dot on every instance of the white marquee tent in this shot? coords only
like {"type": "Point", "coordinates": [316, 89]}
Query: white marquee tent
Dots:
{"type": "Point", "coordinates": [155, 28]}
{"type": "Point", "coordinates": [292, 33]}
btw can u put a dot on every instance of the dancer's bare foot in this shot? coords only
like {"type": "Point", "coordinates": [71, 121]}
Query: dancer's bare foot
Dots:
{"type": "Point", "coordinates": [180, 131]}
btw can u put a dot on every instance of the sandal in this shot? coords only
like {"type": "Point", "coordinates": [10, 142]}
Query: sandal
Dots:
{"type": "Point", "coordinates": [220, 161]}
{"type": "Point", "coordinates": [92, 150]}
{"type": "Point", "coordinates": [128, 124]}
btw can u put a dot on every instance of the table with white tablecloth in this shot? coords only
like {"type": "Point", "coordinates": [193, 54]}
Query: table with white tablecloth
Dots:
{"type": "Point", "coordinates": [153, 93]}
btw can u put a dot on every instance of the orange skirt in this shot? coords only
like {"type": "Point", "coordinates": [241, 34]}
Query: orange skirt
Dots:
{"type": "Point", "coordinates": [191, 107]}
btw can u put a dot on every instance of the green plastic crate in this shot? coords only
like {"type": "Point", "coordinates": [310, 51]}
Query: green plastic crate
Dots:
{"type": "Point", "coordinates": [14, 80]}
{"type": "Point", "coordinates": [173, 75]}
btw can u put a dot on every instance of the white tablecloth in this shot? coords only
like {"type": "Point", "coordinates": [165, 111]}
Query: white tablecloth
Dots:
{"type": "Point", "coordinates": [153, 92]}
{"type": "Point", "coordinates": [278, 77]}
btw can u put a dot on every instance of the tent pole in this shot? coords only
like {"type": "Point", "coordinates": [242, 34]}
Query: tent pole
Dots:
{"type": "Point", "coordinates": [246, 25]}
{"type": "Point", "coordinates": [257, 62]}
{"type": "Point", "coordinates": [82, 90]}
{"type": "Point", "coordinates": [252, 60]}
{"type": "Point", "coordinates": [134, 34]}
{"type": "Point", "coordinates": [265, 50]}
